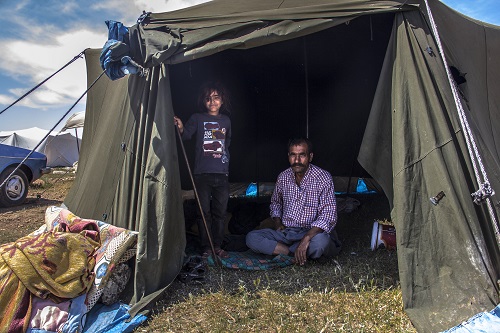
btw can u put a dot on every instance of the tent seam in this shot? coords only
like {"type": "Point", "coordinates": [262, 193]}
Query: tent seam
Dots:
{"type": "Point", "coordinates": [439, 146]}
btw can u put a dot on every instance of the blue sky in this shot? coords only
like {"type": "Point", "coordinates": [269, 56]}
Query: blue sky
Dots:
{"type": "Point", "coordinates": [39, 37]}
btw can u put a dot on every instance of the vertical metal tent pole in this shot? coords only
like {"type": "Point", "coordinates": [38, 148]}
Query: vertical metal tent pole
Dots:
{"type": "Point", "coordinates": [77, 145]}
{"type": "Point", "coordinates": [216, 258]}
{"type": "Point", "coordinates": [306, 78]}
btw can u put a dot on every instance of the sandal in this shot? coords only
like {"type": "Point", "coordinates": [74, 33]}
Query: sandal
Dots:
{"type": "Point", "coordinates": [193, 270]}
{"type": "Point", "coordinates": [206, 254]}
{"type": "Point", "coordinates": [221, 253]}
{"type": "Point", "coordinates": [192, 262]}
{"type": "Point", "coordinates": [187, 277]}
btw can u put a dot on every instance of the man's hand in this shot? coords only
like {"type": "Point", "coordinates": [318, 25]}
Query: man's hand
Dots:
{"type": "Point", "coordinates": [301, 252]}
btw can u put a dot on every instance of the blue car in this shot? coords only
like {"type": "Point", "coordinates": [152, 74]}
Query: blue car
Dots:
{"type": "Point", "coordinates": [15, 189]}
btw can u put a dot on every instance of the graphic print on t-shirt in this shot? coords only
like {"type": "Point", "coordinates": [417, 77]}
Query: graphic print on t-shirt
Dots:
{"type": "Point", "coordinates": [213, 139]}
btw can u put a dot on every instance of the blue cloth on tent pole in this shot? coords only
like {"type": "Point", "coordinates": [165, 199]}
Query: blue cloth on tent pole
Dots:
{"type": "Point", "coordinates": [112, 319]}
{"type": "Point", "coordinates": [484, 322]}
{"type": "Point", "coordinates": [116, 30]}
{"type": "Point", "coordinates": [114, 58]}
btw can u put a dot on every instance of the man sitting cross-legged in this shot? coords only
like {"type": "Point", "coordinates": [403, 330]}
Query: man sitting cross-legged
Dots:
{"type": "Point", "coordinates": [303, 208]}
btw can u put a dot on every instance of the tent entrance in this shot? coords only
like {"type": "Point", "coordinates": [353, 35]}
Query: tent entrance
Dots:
{"type": "Point", "coordinates": [321, 85]}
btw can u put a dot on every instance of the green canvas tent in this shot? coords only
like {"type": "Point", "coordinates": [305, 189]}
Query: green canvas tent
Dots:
{"type": "Point", "coordinates": [363, 79]}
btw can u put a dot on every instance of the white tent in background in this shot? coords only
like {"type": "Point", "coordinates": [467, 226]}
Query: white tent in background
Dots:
{"type": "Point", "coordinates": [75, 121]}
{"type": "Point", "coordinates": [61, 150]}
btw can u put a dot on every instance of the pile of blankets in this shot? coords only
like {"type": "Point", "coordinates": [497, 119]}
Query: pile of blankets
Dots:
{"type": "Point", "coordinates": [51, 278]}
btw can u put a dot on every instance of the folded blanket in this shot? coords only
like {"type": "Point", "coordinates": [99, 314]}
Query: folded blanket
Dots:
{"type": "Point", "coordinates": [117, 246]}
{"type": "Point", "coordinates": [56, 265]}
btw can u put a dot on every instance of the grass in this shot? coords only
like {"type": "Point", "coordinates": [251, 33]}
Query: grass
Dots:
{"type": "Point", "coordinates": [268, 310]}
{"type": "Point", "coordinates": [357, 291]}
{"type": "Point", "coordinates": [281, 303]}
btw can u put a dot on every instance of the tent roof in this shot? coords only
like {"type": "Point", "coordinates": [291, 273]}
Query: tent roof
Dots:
{"type": "Point", "coordinates": [214, 26]}
{"type": "Point", "coordinates": [33, 132]}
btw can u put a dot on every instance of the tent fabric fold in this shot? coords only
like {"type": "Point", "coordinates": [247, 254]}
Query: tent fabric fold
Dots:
{"type": "Point", "coordinates": [139, 180]}
{"type": "Point", "coordinates": [206, 29]}
{"type": "Point", "coordinates": [427, 157]}
{"type": "Point", "coordinates": [404, 124]}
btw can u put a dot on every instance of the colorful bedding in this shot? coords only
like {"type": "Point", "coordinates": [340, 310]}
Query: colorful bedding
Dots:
{"type": "Point", "coordinates": [57, 265]}
{"type": "Point", "coordinates": [117, 246]}
{"type": "Point", "coordinates": [51, 278]}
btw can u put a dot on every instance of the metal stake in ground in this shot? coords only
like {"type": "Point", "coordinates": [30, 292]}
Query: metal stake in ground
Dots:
{"type": "Point", "coordinates": [216, 258]}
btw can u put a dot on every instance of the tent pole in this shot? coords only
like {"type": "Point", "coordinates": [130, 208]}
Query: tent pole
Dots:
{"type": "Point", "coordinates": [216, 258]}
{"type": "Point", "coordinates": [77, 145]}
{"type": "Point", "coordinates": [306, 78]}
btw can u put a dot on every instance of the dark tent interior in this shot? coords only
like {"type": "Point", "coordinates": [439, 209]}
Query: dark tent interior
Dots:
{"type": "Point", "coordinates": [319, 86]}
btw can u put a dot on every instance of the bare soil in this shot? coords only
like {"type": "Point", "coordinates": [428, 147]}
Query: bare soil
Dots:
{"type": "Point", "coordinates": [19, 221]}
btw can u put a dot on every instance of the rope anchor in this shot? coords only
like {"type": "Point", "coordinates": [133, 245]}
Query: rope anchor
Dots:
{"type": "Point", "coordinates": [485, 191]}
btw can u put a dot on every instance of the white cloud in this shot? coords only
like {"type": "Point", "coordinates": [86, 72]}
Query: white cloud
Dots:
{"type": "Point", "coordinates": [26, 59]}
{"type": "Point", "coordinates": [68, 6]}
{"type": "Point", "coordinates": [129, 11]}
{"type": "Point", "coordinates": [41, 98]}
{"type": "Point", "coordinates": [48, 48]}
{"type": "Point", "coordinates": [159, 6]}
{"type": "Point", "coordinates": [6, 100]}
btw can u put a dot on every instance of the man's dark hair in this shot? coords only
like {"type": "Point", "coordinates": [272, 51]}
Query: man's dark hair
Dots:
{"type": "Point", "coordinates": [300, 141]}
{"type": "Point", "coordinates": [205, 91]}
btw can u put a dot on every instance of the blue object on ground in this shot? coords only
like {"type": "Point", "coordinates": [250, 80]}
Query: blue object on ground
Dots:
{"type": "Point", "coordinates": [362, 188]}
{"type": "Point", "coordinates": [111, 319]}
{"type": "Point", "coordinates": [251, 190]}
{"type": "Point", "coordinates": [484, 322]}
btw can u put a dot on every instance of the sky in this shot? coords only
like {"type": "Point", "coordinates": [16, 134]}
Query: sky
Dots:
{"type": "Point", "coordinates": [39, 37]}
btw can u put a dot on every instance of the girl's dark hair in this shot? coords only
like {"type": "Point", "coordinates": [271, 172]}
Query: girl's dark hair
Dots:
{"type": "Point", "coordinates": [205, 91]}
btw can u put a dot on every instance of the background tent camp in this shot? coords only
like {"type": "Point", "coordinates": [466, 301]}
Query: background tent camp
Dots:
{"type": "Point", "coordinates": [62, 150]}
{"type": "Point", "coordinates": [75, 121]}
{"type": "Point", "coordinates": [363, 79]}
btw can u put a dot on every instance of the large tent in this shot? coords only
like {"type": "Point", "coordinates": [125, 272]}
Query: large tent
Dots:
{"type": "Point", "coordinates": [363, 79]}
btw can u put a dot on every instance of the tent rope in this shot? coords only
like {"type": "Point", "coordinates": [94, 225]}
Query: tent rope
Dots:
{"type": "Point", "coordinates": [485, 190]}
{"type": "Point", "coordinates": [80, 55]}
{"type": "Point", "coordinates": [50, 131]}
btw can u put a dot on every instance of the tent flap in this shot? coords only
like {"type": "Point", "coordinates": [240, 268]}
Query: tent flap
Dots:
{"type": "Point", "coordinates": [429, 155]}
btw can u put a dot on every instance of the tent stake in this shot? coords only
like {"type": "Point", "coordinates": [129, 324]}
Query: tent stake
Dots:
{"type": "Point", "coordinates": [216, 258]}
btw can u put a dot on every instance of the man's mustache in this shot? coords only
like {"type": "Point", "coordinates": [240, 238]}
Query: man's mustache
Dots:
{"type": "Point", "coordinates": [298, 164]}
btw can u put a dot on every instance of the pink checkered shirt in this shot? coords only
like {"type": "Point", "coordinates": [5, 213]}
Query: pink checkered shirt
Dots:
{"type": "Point", "coordinates": [312, 204]}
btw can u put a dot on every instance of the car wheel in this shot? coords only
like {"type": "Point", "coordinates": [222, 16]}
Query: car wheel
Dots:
{"type": "Point", "coordinates": [15, 189]}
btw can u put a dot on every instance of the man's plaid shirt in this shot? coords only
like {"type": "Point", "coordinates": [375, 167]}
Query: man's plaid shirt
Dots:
{"type": "Point", "coordinates": [312, 204]}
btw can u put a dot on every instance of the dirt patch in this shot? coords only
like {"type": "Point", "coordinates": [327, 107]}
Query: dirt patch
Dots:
{"type": "Point", "coordinates": [19, 221]}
